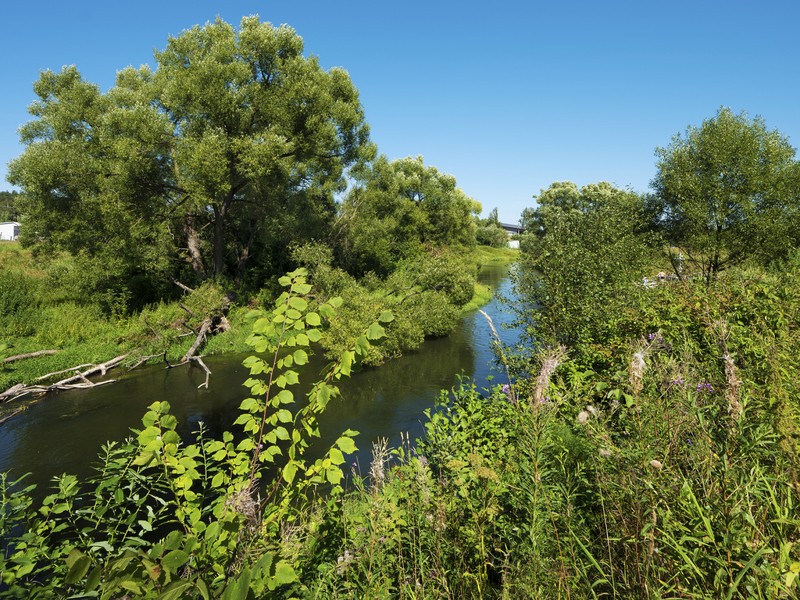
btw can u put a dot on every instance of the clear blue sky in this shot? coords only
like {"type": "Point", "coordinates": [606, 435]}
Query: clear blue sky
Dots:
{"type": "Point", "coordinates": [506, 96]}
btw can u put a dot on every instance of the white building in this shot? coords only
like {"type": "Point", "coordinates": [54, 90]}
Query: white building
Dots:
{"type": "Point", "coordinates": [9, 230]}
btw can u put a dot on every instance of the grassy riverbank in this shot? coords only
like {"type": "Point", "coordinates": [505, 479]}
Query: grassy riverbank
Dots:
{"type": "Point", "coordinates": [43, 310]}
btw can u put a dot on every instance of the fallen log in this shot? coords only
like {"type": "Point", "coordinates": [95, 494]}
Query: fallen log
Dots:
{"type": "Point", "coordinates": [28, 355]}
{"type": "Point", "coordinates": [101, 368]}
{"type": "Point", "coordinates": [70, 370]}
{"type": "Point", "coordinates": [79, 381]}
{"type": "Point", "coordinates": [199, 340]}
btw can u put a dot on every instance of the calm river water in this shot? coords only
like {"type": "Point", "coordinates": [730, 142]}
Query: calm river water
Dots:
{"type": "Point", "coordinates": [64, 432]}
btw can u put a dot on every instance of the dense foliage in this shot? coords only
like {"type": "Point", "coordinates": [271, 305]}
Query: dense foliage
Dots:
{"type": "Point", "coordinates": [397, 209]}
{"type": "Point", "coordinates": [489, 232]}
{"type": "Point", "coordinates": [583, 249]}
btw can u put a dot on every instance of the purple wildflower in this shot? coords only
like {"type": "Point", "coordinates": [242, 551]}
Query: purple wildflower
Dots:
{"type": "Point", "coordinates": [705, 387]}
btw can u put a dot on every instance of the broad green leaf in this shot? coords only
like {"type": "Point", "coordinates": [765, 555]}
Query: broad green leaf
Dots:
{"type": "Point", "coordinates": [301, 288]}
{"type": "Point", "coordinates": [174, 560]}
{"type": "Point", "coordinates": [347, 363]}
{"type": "Point", "coordinates": [313, 319]}
{"type": "Point", "coordinates": [284, 573]}
{"type": "Point", "coordinates": [337, 458]}
{"type": "Point", "coordinates": [333, 475]}
{"type": "Point", "coordinates": [375, 331]}
{"type": "Point", "coordinates": [285, 397]}
{"type": "Point", "coordinates": [346, 444]}
{"type": "Point", "coordinates": [298, 303]}
{"type": "Point", "coordinates": [300, 357]}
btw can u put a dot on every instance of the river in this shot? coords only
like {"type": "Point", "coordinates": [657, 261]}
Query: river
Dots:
{"type": "Point", "coordinates": [63, 432]}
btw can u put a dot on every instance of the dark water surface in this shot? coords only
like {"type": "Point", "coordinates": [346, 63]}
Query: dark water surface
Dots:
{"type": "Point", "coordinates": [64, 432]}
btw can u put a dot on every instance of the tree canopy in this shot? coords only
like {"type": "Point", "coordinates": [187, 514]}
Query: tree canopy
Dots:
{"type": "Point", "coordinates": [397, 208]}
{"type": "Point", "coordinates": [235, 144]}
{"type": "Point", "coordinates": [727, 191]}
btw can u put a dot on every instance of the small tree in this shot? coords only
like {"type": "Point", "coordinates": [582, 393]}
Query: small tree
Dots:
{"type": "Point", "coordinates": [728, 191]}
{"type": "Point", "coordinates": [586, 253]}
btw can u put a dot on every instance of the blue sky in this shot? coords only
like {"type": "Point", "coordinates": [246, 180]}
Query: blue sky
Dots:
{"type": "Point", "coordinates": [506, 96]}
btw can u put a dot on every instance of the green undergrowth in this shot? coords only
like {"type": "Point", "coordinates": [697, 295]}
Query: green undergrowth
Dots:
{"type": "Point", "coordinates": [668, 469]}
{"type": "Point", "coordinates": [41, 311]}
{"type": "Point", "coordinates": [486, 255]}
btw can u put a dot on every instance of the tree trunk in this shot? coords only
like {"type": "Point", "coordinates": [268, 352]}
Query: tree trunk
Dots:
{"type": "Point", "coordinates": [193, 247]}
{"type": "Point", "coordinates": [219, 240]}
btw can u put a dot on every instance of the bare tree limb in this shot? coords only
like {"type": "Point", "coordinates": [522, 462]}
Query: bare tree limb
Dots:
{"type": "Point", "coordinates": [28, 355]}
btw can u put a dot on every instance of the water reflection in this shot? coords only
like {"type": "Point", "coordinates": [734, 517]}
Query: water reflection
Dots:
{"type": "Point", "coordinates": [64, 432]}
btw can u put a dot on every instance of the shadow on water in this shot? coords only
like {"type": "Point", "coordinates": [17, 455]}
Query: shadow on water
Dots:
{"type": "Point", "coordinates": [64, 432]}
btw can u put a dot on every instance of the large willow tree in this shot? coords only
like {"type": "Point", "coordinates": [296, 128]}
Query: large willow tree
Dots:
{"type": "Point", "coordinates": [234, 144]}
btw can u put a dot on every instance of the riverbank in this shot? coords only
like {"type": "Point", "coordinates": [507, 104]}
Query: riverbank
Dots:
{"type": "Point", "coordinates": [40, 313]}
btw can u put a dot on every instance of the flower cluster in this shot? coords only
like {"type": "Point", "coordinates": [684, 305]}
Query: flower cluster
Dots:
{"type": "Point", "coordinates": [705, 387]}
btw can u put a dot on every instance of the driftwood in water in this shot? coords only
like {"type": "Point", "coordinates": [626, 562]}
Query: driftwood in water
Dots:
{"type": "Point", "coordinates": [28, 355]}
{"type": "Point", "coordinates": [78, 381]}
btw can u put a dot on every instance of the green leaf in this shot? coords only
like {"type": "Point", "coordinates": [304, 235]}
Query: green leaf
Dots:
{"type": "Point", "coordinates": [336, 455]}
{"type": "Point", "coordinates": [177, 590]}
{"type": "Point", "coordinates": [375, 331]}
{"type": "Point", "coordinates": [78, 564]}
{"type": "Point", "coordinates": [333, 475]}
{"type": "Point", "coordinates": [174, 560]}
{"type": "Point", "coordinates": [284, 573]}
{"type": "Point", "coordinates": [362, 345]}
{"type": "Point", "coordinates": [301, 288]}
{"type": "Point", "coordinates": [94, 579]}
{"type": "Point", "coordinates": [298, 303]}
{"type": "Point", "coordinates": [285, 397]}
{"type": "Point", "coordinates": [313, 319]}
{"type": "Point", "coordinates": [346, 444]}
{"type": "Point", "coordinates": [347, 363]}
{"type": "Point", "coordinates": [300, 357]}
{"type": "Point", "coordinates": [289, 471]}
{"type": "Point", "coordinates": [239, 588]}
{"type": "Point", "coordinates": [386, 317]}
